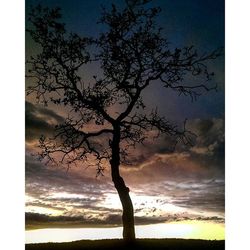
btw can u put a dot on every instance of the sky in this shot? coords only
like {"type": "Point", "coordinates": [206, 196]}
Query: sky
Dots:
{"type": "Point", "coordinates": [187, 184]}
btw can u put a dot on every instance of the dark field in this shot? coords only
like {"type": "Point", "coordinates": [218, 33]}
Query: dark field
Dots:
{"type": "Point", "coordinates": [154, 244]}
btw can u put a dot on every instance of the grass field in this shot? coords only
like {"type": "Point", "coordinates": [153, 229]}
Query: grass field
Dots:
{"type": "Point", "coordinates": [140, 244]}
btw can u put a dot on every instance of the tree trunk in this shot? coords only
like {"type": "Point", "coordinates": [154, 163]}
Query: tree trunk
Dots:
{"type": "Point", "coordinates": [123, 191]}
{"type": "Point", "coordinates": [128, 211]}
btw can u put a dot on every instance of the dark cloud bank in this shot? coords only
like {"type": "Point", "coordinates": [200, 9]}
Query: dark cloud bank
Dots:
{"type": "Point", "coordinates": [32, 219]}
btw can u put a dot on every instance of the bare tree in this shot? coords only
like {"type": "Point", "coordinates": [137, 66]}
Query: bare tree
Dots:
{"type": "Point", "coordinates": [107, 115]}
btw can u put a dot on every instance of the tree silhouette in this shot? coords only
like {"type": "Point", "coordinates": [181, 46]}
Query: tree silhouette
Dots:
{"type": "Point", "coordinates": [107, 114]}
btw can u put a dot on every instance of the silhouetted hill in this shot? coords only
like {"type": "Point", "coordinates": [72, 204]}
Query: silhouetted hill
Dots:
{"type": "Point", "coordinates": [140, 244]}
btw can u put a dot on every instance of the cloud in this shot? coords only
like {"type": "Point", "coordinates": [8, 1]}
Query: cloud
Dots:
{"type": "Point", "coordinates": [205, 160]}
{"type": "Point", "coordinates": [111, 219]}
{"type": "Point", "coordinates": [39, 121]}
{"type": "Point", "coordinates": [210, 145]}
{"type": "Point", "coordinates": [209, 132]}
{"type": "Point", "coordinates": [204, 196]}
{"type": "Point", "coordinates": [55, 188]}
{"type": "Point", "coordinates": [31, 218]}
{"type": "Point", "coordinates": [191, 178]}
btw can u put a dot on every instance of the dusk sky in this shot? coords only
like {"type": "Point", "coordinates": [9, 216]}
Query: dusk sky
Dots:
{"type": "Point", "coordinates": [165, 186]}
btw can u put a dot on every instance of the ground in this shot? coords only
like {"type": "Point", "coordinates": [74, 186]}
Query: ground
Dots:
{"type": "Point", "coordinates": [141, 244]}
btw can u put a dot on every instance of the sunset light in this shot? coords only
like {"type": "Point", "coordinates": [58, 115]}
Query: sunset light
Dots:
{"type": "Point", "coordinates": [182, 230]}
{"type": "Point", "coordinates": [124, 122]}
